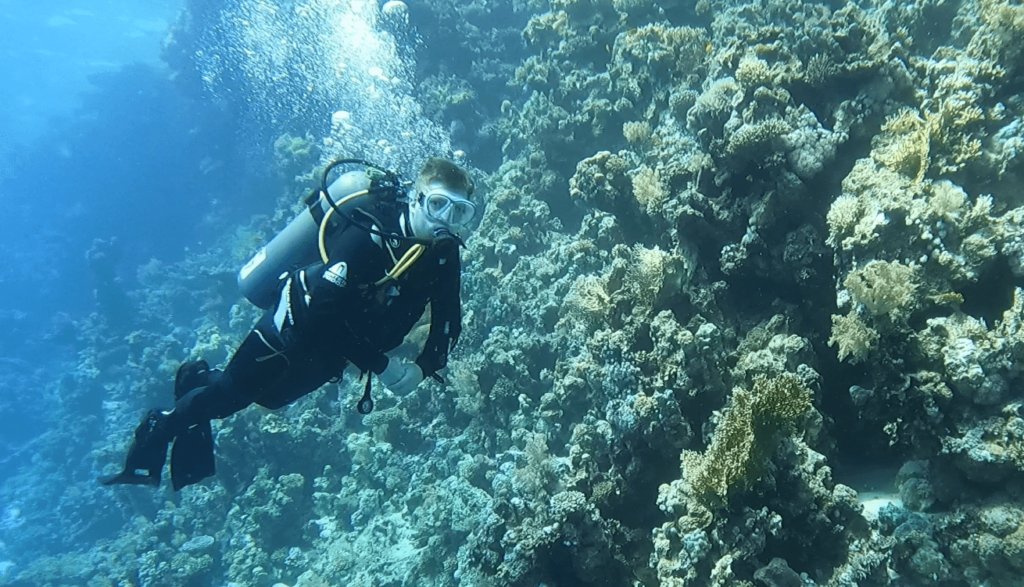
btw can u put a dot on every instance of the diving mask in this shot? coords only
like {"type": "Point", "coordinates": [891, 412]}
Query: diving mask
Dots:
{"type": "Point", "coordinates": [451, 208]}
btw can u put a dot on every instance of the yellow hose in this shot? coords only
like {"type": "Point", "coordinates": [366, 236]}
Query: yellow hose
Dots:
{"type": "Point", "coordinates": [322, 238]}
{"type": "Point", "coordinates": [403, 264]}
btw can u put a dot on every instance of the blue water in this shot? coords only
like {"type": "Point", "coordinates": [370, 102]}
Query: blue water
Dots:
{"type": "Point", "coordinates": [51, 49]}
{"type": "Point", "coordinates": [99, 149]}
{"type": "Point", "coordinates": [127, 136]}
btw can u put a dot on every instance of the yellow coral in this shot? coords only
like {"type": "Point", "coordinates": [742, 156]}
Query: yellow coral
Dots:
{"type": "Point", "coordinates": [870, 192]}
{"type": "Point", "coordinates": [636, 132]}
{"type": "Point", "coordinates": [749, 138]}
{"type": "Point", "coordinates": [588, 294]}
{"type": "Point", "coordinates": [642, 57]}
{"type": "Point", "coordinates": [587, 302]}
{"type": "Point", "coordinates": [944, 132]}
{"type": "Point", "coordinates": [843, 215]}
{"type": "Point", "coordinates": [753, 72]}
{"type": "Point", "coordinates": [645, 406]}
{"type": "Point", "coordinates": [746, 436]}
{"type": "Point", "coordinates": [948, 126]}
{"type": "Point", "coordinates": [947, 200]}
{"type": "Point", "coordinates": [883, 287]}
{"type": "Point", "coordinates": [855, 339]}
{"type": "Point", "coordinates": [820, 69]}
{"type": "Point", "coordinates": [717, 99]}
{"type": "Point", "coordinates": [904, 144]}
{"type": "Point", "coordinates": [649, 190]}
{"type": "Point", "coordinates": [683, 47]}
{"type": "Point", "coordinates": [646, 273]}
{"type": "Point", "coordinates": [1003, 16]}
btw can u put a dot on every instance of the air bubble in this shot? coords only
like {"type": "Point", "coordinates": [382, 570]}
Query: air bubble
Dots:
{"type": "Point", "coordinates": [293, 71]}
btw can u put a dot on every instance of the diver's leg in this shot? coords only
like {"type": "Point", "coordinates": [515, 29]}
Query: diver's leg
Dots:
{"type": "Point", "coordinates": [148, 453]}
{"type": "Point", "coordinates": [307, 373]}
{"type": "Point", "coordinates": [257, 373]}
{"type": "Point", "coordinates": [258, 365]}
{"type": "Point", "coordinates": [255, 365]}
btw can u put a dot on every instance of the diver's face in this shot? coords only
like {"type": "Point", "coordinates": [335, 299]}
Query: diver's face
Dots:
{"type": "Point", "coordinates": [438, 210]}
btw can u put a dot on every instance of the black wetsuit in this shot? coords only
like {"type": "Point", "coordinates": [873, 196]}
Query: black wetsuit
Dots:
{"type": "Point", "coordinates": [333, 315]}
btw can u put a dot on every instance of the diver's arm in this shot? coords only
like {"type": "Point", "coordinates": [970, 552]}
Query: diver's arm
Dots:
{"type": "Point", "coordinates": [445, 319]}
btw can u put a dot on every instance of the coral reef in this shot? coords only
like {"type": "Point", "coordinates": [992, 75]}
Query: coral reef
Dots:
{"type": "Point", "coordinates": [745, 436]}
{"type": "Point", "coordinates": [733, 253]}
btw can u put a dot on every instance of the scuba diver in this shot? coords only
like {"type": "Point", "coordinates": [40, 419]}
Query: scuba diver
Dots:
{"type": "Point", "coordinates": [343, 283]}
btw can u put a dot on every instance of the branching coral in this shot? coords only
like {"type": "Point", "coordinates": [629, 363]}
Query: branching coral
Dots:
{"type": "Point", "coordinates": [953, 115]}
{"type": "Point", "coordinates": [1004, 15]}
{"type": "Point", "coordinates": [600, 180]}
{"type": "Point", "coordinates": [440, 93]}
{"type": "Point", "coordinates": [646, 274]}
{"type": "Point", "coordinates": [843, 216]}
{"type": "Point", "coordinates": [291, 151]}
{"type": "Point", "coordinates": [636, 132]}
{"type": "Point", "coordinates": [999, 41]}
{"type": "Point", "coordinates": [883, 287]}
{"type": "Point", "coordinates": [587, 303]}
{"type": "Point", "coordinates": [871, 192]}
{"type": "Point", "coordinates": [820, 69]}
{"type": "Point", "coordinates": [753, 72]}
{"type": "Point", "coordinates": [747, 435]}
{"type": "Point", "coordinates": [855, 339]}
{"type": "Point", "coordinates": [648, 52]}
{"type": "Point", "coordinates": [944, 132]}
{"type": "Point", "coordinates": [714, 103]}
{"type": "Point", "coordinates": [904, 144]}
{"type": "Point", "coordinates": [750, 139]}
{"type": "Point", "coordinates": [649, 190]}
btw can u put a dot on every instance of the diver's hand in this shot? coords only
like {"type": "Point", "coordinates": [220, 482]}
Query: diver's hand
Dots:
{"type": "Point", "coordinates": [412, 377]}
{"type": "Point", "coordinates": [401, 377]}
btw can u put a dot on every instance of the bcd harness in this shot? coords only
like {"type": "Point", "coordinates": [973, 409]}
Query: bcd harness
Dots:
{"type": "Point", "coordinates": [401, 264]}
{"type": "Point", "coordinates": [385, 185]}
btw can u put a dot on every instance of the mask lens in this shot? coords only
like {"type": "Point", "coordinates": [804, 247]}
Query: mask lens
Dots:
{"type": "Point", "coordinates": [457, 212]}
{"type": "Point", "coordinates": [435, 205]}
{"type": "Point", "coordinates": [462, 212]}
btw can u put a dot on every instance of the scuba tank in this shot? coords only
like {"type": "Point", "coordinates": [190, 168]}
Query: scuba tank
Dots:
{"type": "Point", "coordinates": [301, 242]}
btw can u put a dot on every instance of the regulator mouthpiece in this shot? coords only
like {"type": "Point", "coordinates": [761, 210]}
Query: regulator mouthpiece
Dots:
{"type": "Point", "coordinates": [443, 235]}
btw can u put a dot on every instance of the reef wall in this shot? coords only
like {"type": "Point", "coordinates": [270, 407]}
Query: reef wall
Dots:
{"type": "Point", "coordinates": [745, 309]}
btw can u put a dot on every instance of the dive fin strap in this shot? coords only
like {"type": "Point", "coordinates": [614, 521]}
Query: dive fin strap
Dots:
{"type": "Point", "coordinates": [365, 404]}
{"type": "Point", "coordinates": [190, 375]}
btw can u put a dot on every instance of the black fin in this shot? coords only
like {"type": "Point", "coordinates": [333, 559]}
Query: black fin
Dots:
{"type": "Point", "coordinates": [148, 453]}
{"type": "Point", "coordinates": [190, 375]}
{"type": "Point", "coordinates": [192, 456]}
{"type": "Point", "coordinates": [131, 478]}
